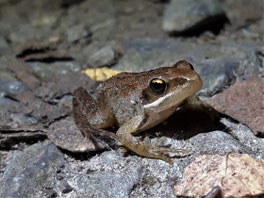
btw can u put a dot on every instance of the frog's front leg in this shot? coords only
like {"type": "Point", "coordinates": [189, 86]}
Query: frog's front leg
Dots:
{"type": "Point", "coordinates": [83, 105]}
{"type": "Point", "coordinates": [143, 149]}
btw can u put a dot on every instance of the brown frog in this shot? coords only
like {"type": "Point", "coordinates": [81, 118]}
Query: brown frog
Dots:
{"type": "Point", "coordinates": [136, 102]}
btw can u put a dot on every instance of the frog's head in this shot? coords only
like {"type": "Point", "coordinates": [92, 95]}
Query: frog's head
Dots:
{"type": "Point", "coordinates": [169, 86]}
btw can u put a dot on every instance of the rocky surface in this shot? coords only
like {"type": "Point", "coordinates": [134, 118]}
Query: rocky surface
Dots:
{"type": "Point", "coordinates": [45, 46]}
{"type": "Point", "coordinates": [37, 164]}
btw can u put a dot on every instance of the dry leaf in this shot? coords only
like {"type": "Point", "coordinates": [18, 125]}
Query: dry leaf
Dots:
{"type": "Point", "coordinates": [101, 74]}
{"type": "Point", "coordinates": [238, 175]}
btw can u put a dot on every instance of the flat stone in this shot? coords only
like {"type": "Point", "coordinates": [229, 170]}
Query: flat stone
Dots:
{"type": "Point", "coordinates": [8, 109]}
{"type": "Point", "coordinates": [32, 172]}
{"type": "Point", "coordinates": [181, 15]}
{"type": "Point", "coordinates": [107, 175]}
{"type": "Point", "coordinates": [244, 12]}
{"type": "Point", "coordinates": [103, 184]}
{"type": "Point", "coordinates": [12, 87]}
{"type": "Point", "coordinates": [76, 33]}
{"type": "Point", "coordinates": [216, 74]}
{"type": "Point", "coordinates": [9, 83]}
{"type": "Point", "coordinates": [216, 142]}
{"type": "Point", "coordinates": [65, 134]}
{"type": "Point", "coordinates": [105, 56]}
{"type": "Point", "coordinates": [3, 45]}
{"type": "Point", "coordinates": [243, 101]}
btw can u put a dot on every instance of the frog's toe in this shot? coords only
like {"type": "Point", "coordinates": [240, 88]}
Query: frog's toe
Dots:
{"type": "Point", "coordinates": [170, 150]}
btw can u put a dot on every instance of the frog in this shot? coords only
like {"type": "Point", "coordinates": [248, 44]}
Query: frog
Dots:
{"type": "Point", "coordinates": [135, 102]}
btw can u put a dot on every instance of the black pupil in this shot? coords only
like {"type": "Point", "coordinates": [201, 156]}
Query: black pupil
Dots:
{"type": "Point", "coordinates": [158, 86]}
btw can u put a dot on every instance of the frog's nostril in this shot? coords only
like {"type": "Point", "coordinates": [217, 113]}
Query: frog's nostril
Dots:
{"type": "Point", "coordinates": [191, 66]}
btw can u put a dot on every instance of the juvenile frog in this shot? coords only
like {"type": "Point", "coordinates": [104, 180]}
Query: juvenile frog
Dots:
{"type": "Point", "coordinates": [136, 102]}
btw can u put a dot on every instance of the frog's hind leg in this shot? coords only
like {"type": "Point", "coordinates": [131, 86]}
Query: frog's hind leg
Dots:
{"type": "Point", "coordinates": [143, 149]}
{"type": "Point", "coordinates": [83, 106]}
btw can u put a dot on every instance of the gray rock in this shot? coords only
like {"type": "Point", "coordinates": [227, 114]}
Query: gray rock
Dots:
{"type": "Point", "coordinates": [180, 15]}
{"type": "Point", "coordinates": [76, 33]}
{"type": "Point", "coordinates": [12, 87]}
{"type": "Point", "coordinates": [148, 53]}
{"type": "Point", "coordinates": [32, 172]}
{"type": "Point", "coordinates": [108, 175]}
{"type": "Point", "coordinates": [3, 43]}
{"type": "Point", "coordinates": [105, 56]}
{"type": "Point", "coordinates": [218, 74]}
{"type": "Point", "coordinates": [9, 83]}
{"type": "Point", "coordinates": [50, 71]}
{"type": "Point", "coordinates": [69, 65]}
{"type": "Point", "coordinates": [8, 109]}
{"type": "Point", "coordinates": [216, 142]}
{"type": "Point", "coordinates": [103, 184]}
{"type": "Point", "coordinates": [243, 12]}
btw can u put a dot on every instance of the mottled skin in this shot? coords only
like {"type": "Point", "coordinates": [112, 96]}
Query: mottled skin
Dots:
{"type": "Point", "coordinates": [127, 101]}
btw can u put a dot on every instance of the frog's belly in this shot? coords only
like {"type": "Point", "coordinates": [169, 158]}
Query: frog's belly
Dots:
{"type": "Point", "coordinates": [154, 118]}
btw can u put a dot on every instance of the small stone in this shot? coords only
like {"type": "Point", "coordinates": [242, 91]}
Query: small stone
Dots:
{"type": "Point", "coordinates": [13, 87]}
{"type": "Point", "coordinates": [3, 43]}
{"type": "Point", "coordinates": [216, 142]}
{"type": "Point", "coordinates": [217, 74]}
{"type": "Point", "coordinates": [65, 134]}
{"type": "Point", "coordinates": [66, 187]}
{"type": "Point", "coordinates": [77, 33]}
{"type": "Point", "coordinates": [105, 56]}
{"type": "Point", "coordinates": [106, 184]}
{"type": "Point", "coordinates": [244, 12]}
{"type": "Point", "coordinates": [9, 83]}
{"type": "Point", "coordinates": [181, 15]}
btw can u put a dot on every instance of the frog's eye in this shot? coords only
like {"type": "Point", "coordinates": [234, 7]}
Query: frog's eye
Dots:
{"type": "Point", "coordinates": [158, 86]}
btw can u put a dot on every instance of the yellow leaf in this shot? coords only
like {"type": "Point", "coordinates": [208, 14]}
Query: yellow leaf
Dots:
{"type": "Point", "coordinates": [101, 74]}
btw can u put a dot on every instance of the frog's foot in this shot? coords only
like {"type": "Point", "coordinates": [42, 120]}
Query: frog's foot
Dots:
{"type": "Point", "coordinates": [159, 152]}
{"type": "Point", "coordinates": [150, 151]}
{"type": "Point", "coordinates": [104, 139]}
